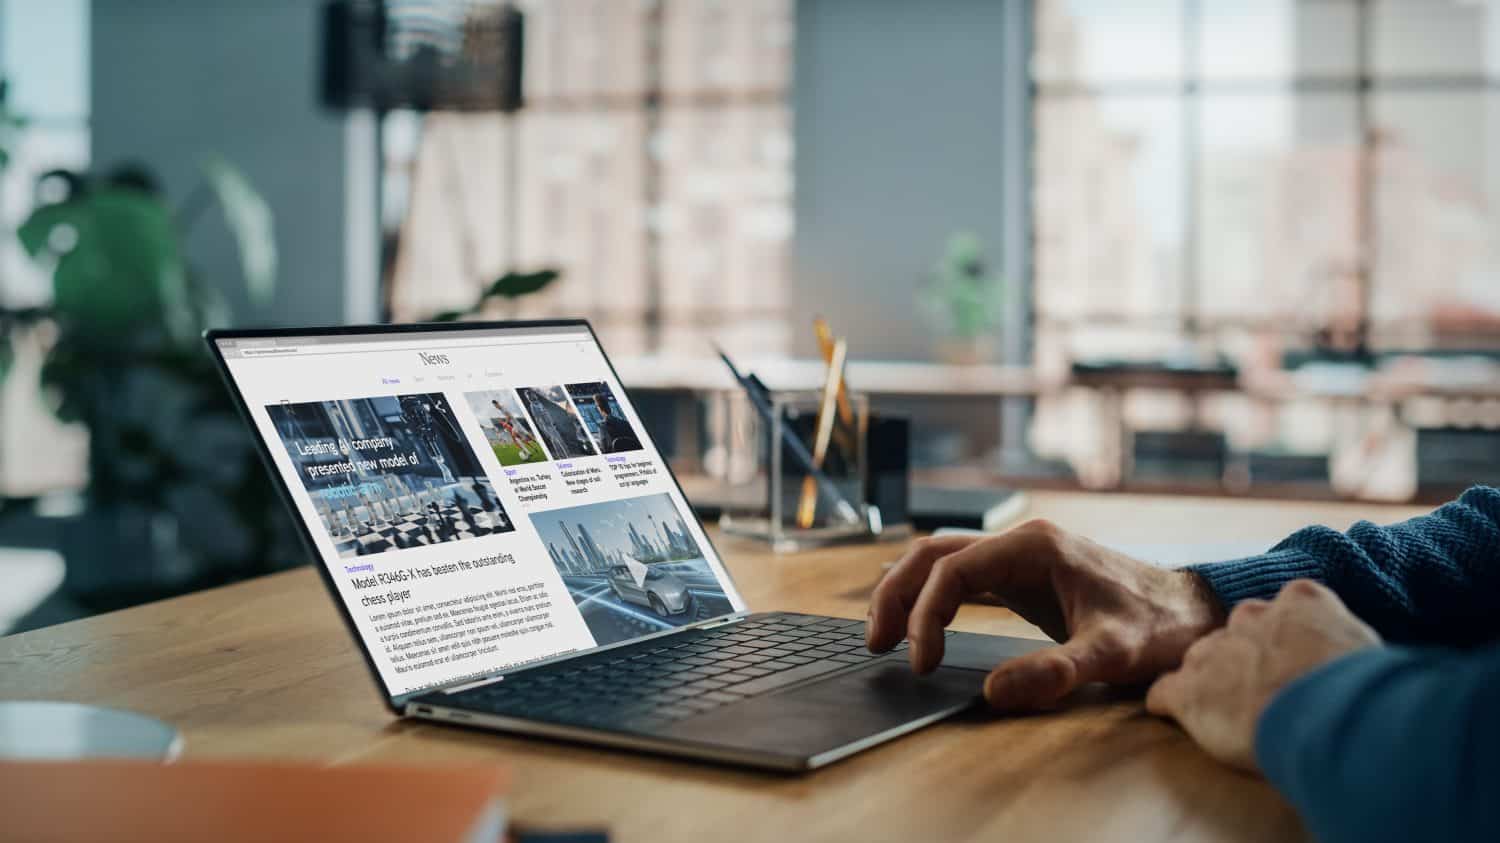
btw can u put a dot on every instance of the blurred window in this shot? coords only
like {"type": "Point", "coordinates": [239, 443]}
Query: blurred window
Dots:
{"type": "Point", "coordinates": [1302, 172]}
{"type": "Point", "coordinates": [44, 60]}
{"type": "Point", "coordinates": [651, 164]}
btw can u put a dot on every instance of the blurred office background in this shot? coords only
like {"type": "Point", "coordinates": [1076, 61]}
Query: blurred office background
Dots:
{"type": "Point", "coordinates": [1180, 246]}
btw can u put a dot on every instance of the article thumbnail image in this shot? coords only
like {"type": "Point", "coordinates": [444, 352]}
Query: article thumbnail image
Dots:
{"type": "Point", "coordinates": [505, 427]}
{"type": "Point", "coordinates": [632, 566]}
{"type": "Point", "coordinates": [389, 473]}
{"type": "Point", "coordinates": [556, 421]}
{"type": "Point", "coordinates": [596, 404]}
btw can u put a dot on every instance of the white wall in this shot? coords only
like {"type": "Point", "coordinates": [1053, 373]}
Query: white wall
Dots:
{"type": "Point", "coordinates": [898, 132]}
{"type": "Point", "coordinates": [173, 82]}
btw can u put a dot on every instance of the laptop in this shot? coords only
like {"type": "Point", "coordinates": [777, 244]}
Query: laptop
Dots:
{"type": "Point", "coordinates": [512, 552]}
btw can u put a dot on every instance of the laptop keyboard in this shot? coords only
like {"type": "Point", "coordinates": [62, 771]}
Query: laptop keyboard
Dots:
{"type": "Point", "coordinates": [645, 687]}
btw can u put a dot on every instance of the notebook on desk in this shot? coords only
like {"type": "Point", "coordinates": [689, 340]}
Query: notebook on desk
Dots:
{"type": "Point", "coordinates": [985, 510]}
{"type": "Point", "coordinates": [146, 802]}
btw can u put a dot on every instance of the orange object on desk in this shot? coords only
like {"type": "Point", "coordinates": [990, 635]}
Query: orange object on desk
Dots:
{"type": "Point", "coordinates": [131, 801]}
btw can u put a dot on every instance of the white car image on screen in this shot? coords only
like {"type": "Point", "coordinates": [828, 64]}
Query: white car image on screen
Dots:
{"type": "Point", "coordinates": [662, 592]}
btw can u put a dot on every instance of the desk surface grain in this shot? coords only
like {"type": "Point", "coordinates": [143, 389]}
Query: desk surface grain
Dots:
{"type": "Point", "coordinates": [265, 669]}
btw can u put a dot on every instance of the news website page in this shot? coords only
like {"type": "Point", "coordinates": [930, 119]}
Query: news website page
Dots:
{"type": "Point", "coordinates": [482, 499]}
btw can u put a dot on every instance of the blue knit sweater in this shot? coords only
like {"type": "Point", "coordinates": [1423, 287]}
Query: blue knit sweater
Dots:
{"type": "Point", "coordinates": [1399, 742]}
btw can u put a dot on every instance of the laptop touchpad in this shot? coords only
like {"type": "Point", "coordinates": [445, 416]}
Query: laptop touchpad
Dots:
{"type": "Point", "coordinates": [832, 712]}
{"type": "Point", "coordinates": [983, 652]}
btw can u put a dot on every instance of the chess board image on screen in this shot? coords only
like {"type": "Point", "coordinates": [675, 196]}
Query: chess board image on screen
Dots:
{"type": "Point", "coordinates": [389, 473]}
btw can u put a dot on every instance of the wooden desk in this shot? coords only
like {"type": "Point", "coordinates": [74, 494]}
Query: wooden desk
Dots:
{"type": "Point", "coordinates": [265, 668]}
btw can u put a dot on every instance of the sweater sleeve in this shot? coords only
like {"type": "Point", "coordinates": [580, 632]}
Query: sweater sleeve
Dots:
{"type": "Point", "coordinates": [1390, 744]}
{"type": "Point", "coordinates": [1432, 579]}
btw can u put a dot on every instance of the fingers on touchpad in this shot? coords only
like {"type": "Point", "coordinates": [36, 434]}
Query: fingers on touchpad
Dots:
{"type": "Point", "coordinates": [982, 652]}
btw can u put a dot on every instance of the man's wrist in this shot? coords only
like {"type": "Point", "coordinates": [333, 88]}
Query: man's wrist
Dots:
{"type": "Point", "coordinates": [1259, 577]}
{"type": "Point", "coordinates": [1206, 611]}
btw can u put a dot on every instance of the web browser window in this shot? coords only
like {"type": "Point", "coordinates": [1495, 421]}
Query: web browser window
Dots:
{"type": "Point", "coordinates": [482, 499]}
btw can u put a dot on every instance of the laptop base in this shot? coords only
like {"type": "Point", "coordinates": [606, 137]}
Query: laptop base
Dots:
{"type": "Point", "coordinates": [840, 708]}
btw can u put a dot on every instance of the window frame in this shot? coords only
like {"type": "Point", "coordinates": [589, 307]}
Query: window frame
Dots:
{"type": "Point", "coordinates": [1364, 84]}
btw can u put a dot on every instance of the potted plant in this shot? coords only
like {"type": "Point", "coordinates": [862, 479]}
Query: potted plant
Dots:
{"type": "Point", "coordinates": [964, 302]}
{"type": "Point", "coordinates": [176, 498]}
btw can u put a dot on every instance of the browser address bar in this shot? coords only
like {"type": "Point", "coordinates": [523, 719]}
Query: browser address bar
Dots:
{"type": "Point", "coordinates": [431, 345]}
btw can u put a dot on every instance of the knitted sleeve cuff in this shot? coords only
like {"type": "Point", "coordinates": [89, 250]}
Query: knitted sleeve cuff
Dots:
{"type": "Point", "coordinates": [1258, 576]}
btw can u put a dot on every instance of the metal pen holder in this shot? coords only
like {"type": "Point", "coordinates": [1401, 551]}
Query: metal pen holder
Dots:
{"type": "Point", "coordinates": [775, 497]}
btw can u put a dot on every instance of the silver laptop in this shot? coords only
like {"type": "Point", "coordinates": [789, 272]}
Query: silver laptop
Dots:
{"type": "Point", "coordinates": [512, 553]}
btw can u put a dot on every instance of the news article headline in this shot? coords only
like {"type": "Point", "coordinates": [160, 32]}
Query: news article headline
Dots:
{"type": "Point", "coordinates": [345, 447]}
{"type": "Point", "coordinates": [399, 576]}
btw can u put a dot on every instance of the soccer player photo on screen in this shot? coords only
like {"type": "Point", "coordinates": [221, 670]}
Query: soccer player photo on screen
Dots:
{"type": "Point", "coordinates": [506, 427]}
{"type": "Point", "coordinates": [389, 473]}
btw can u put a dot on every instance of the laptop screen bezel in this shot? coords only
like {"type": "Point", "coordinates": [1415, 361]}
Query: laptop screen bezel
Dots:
{"type": "Point", "coordinates": [397, 702]}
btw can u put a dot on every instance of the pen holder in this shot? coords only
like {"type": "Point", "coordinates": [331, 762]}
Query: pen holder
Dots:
{"type": "Point", "coordinates": [779, 499]}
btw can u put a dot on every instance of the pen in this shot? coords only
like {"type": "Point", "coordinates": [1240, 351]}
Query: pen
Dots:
{"type": "Point", "coordinates": [758, 399]}
{"type": "Point", "coordinates": [844, 434]}
{"type": "Point", "coordinates": [807, 505]}
{"type": "Point", "coordinates": [826, 344]}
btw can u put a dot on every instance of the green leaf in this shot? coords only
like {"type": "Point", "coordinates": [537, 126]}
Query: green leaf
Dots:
{"type": "Point", "coordinates": [178, 311]}
{"type": "Point", "coordinates": [513, 285]}
{"type": "Point", "coordinates": [964, 298]}
{"type": "Point", "coordinates": [118, 269]}
{"type": "Point", "coordinates": [7, 356]}
{"type": "Point", "coordinates": [450, 315]}
{"type": "Point", "coordinates": [209, 303]}
{"type": "Point", "coordinates": [37, 228]}
{"type": "Point", "coordinates": [249, 220]}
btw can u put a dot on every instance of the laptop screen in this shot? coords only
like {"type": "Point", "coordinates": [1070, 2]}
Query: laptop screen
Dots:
{"type": "Point", "coordinates": [481, 498]}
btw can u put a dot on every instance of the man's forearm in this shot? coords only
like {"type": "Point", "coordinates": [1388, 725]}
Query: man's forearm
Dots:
{"type": "Point", "coordinates": [1390, 744]}
{"type": "Point", "coordinates": [1432, 579]}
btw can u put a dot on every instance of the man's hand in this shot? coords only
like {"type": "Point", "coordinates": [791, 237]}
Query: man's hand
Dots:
{"type": "Point", "coordinates": [1120, 619]}
{"type": "Point", "coordinates": [1229, 677]}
